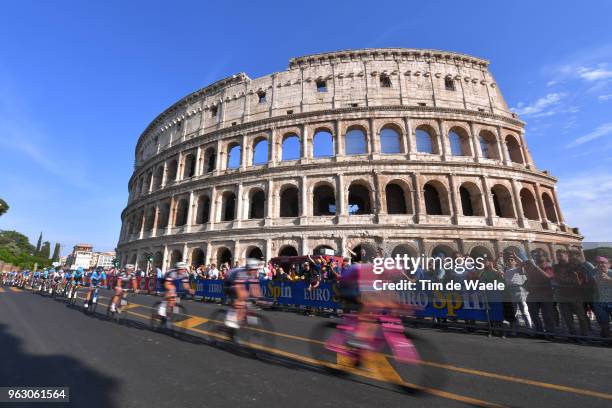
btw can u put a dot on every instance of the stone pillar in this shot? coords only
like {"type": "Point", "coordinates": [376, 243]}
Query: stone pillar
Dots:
{"type": "Point", "coordinates": [245, 153]}
{"type": "Point", "coordinates": [410, 141]}
{"type": "Point", "coordinates": [560, 219]}
{"type": "Point", "coordinates": [239, 204]}
{"type": "Point", "coordinates": [304, 202]}
{"type": "Point", "coordinates": [343, 244]}
{"type": "Point", "coordinates": [179, 167]}
{"type": "Point", "coordinates": [273, 146]}
{"type": "Point", "coordinates": [339, 145]}
{"type": "Point", "coordinates": [305, 246]}
{"type": "Point", "coordinates": [221, 159]}
{"type": "Point", "coordinates": [155, 220]}
{"type": "Point", "coordinates": [151, 180]}
{"type": "Point", "coordinates": [443, 141]}
{"type": "Point", "coordinates": [340, 201]}
{"type": "Point", "coordinates": [456, 211]}
{"type": "Point", "coordinates": [164, 175]}
{"type": "Point", "coordinates": [142, 224]}
{"type": "Point", "coordinates": [165, 259]}
{"type": "Point", "coordinates": [270, 200]}
{"type": "Point", "coordinates": [417, 199]}
{"type": "Point", "coordinates": [378, 196]}
{"type": "Point", "coordinates": [209, 254]}
{"type": "Point", "coordinates": [540, 207]}
{"type": "Point", "coordinates": [517, 204]}
{"type": "Point", "coordinates": [236, 254]}
{"type": "Point", "coordinates": [488, 198]}
{"type": "Point", "coordinates": [269, 254]}
{"type": "Point", "coordinates": [185, 253]}
{"type": "Point", "coordinates": [501, 145]}
{"type": "Point", "coordinates": [170, 216]}
{"type": "Point", "coordinates": [374, 138]}
{"type": "Point", "coordinates": [475, 144]}
{"type": "Point", "coordinates": [306, 153]}
{"type": "Point", "coordinates": [525, 152]}
{"type": "Point", "coordinates": [198, 165]}
{"type": "Point", "coordinates": [190, 212]}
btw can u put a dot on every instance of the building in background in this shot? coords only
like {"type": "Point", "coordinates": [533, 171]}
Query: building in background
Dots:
{"type": "Point", "coordinates": [81, 256]}
{"type": "Point", "coordinates": [103, 259]}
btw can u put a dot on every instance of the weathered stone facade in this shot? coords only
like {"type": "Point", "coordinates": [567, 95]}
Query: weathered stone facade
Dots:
{"type": "Point", "coordinates": [433, 158]}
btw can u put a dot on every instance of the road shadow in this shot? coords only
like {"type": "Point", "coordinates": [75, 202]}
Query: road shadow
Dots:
{"type": "Point", "coordinates": [88, 388]}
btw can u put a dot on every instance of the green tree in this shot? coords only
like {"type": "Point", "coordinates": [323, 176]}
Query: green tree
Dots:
{"type": "Point", "coordinates": [56, 253]}
{"type": "Point", "coordinates": [4, 207]}
{"type": "Point", "coordinates": [38, 245]}
{"type": "Point", "coordinates": [45, 250]}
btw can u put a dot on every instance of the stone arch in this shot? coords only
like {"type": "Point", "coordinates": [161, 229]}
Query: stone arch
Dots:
{"type": "Point", "coordinates": [257, 204]}
{"type": "Point", "coordinates": [210, 160]}
{"type": "Point", "coordinates": [435, 196]}
{"type": "Point", "coordinates": [528, 202]}
{"type": "Point", "coordinates": [171, 171]}
{"type": "Point", "coordinates": [175, 256]}
{"type": "Point", "coordinates": [234, 155]}
{"type": "Point", "coordinates": [203, 209]}
{"type": "Point", "coordinates": [359, 198]}
{"type": "Point", "coordinates": [158, 178]}
{"type": "Point", "coordinates": [198, 257]}
{"type": "Point", "coordinates": [319, 248]}
{"type": "Point", "coordinates": [224, 255]}
{"type": "Point", "coordinates": [289, 201]}
{"type": "Point", "coordinates": [287, 250]}
{"type": "Point", "coordinates": [323, 143]}
{"type": "Point", "coordinates": [404, 249]}
{"type": "Point", "coordinates": [182, 210]}
{"type": "Point", "coordinates": [481, 251]}
{"type": "Point", "coordinates": [291, 147]}
{"type": "Point", "coordinates": [514, 150]}
{"type": "Point", "coordinates": [158, 260]}
{"type": "Point", "coordinates": [502, 201]}
{"type": "Point", "coordinates": [254, 252]}
{"type": "Point", "coordinates": [228, 206]}
{"type": "Point", "coordinates": [444, 249]}
{"type": "Point", "coordinates": [364, 252]}
{"type": "Point", "coordinates": [164, 215]}
{"type": "Point", "coordinates": [549, 207]}
{"type": "Point", "coordinates": [261, 151]}
{"type": "Point", "coordinates": [426, 139]}
{"type": "Point", "coordinates": [459, 141]}
{"type": "Point", "coordinates": [189, 166]}
{"type": "Point", "coordinates": [150, 219]}
{"type": "Point", "coordinates": [471, 200]}
{"type": "Point", "coordinates": [488, 144]}
{"type": "Point", "coordinates": [390, 136]}
{"type": "Point", "coordinates": [324, 200]}
{"type": "Point", "coordinates": [355, 140]}
{"type": "Point", "coordinates": [397, 198]}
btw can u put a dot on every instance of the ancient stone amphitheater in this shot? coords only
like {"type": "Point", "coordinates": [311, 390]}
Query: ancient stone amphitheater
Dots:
{"type": "Point", "coordinates": [363, 152]}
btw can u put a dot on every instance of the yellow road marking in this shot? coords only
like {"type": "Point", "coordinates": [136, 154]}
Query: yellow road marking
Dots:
{"type": "Point", "coordinates": [14, 289]}
{"type": "Point", "coordinates": [191, 322]}
{"type": "Point", "coordinates": [1, 289]}
{"type": "Point", "coordinates": [464, 370]}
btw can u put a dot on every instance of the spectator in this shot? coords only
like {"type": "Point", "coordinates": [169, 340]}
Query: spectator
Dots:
{"type": "Point", "coordinates": [516, 278]}
{"type": "Point", "coordinates": [570, 279]}
{"type": "Point", "coordinates": [538, 285]}
{"type": "Point", "coordinates": [213, 272]}
{"type": "Point", "coordinates": [603, 300]}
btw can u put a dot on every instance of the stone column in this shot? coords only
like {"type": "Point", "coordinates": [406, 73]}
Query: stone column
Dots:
{"type": "Point", "coordinates": [340, 201]}
{"type": "Point", "coordinates": [343, 244]}
{"type": "Point", "coordinates": [239, 204]}
{"type": "Point", "coordinates": [378, 195]}
{"type": "Point", "coordinates": [209, 254]}
{"type": "Point", "coordinates": [155, 220]}
{"type": "Point", "coordinates": [165, 259]}
{"type": "Point", "coordinates": [374, 145]}
{"type": "Point", "coordinates": [417, 199]}
{"type": "Point", "coordinates": [488, 198]}
{"type": "Point", "coordinates": [170, 216]}
{"type": "Point", "coordinates": [304, 202]}
{"type": "Point", "coordinates": [339, 145]}
{"type": "Point", "coordinates": [540, 207]}
{"type": "Point", "coordinates": [185, 253]}
{"type": "Point", "coordinates": [270, 200]}
{"type": "Point", "coordinates": [151, 180]}
{"type": "Point", "coordinates": [524, 151]}
{"type": "Point", "coordinates": [269, 249]}
{"type": "Point", "coordinates": [245, 153]}
{"type": "Point", "coordinates": [164, 175]}
{"type": "Point", "coordinates": [198, 165]}
{"type": "Point", "coordinates": [455, 201]}
{"type": "Point", "coordinates": [501, 145]}
{"type": "Point", "coordinates": [306, 153]}
{"type": "Point", "coordinates": [443, 141]}
{"type": "Point", "coordinates": [410, 141]}
{"type": "Point", "coordinates": [212, 217]}
{"type": "Point", "coordinates": [305, 246]}
{"type": "Point", "coordinates": [517, 204]}
{"type": "Point", "coordinates": [190, 212]}
{"type": "Point", "coordinates": [236, 253]}
{"type": "Point", "coordinates": [475, 144]}
{"type": "Point", "coordinates": [273, 146]}
{"type": "Point", "coordinates": [221, 159]}
{"type": "Point", "coordinates": [142, 224]}
{"type": "Point", "coordinates": [560, 219]}
{"type": "Point", "coordinates": [179, 167]}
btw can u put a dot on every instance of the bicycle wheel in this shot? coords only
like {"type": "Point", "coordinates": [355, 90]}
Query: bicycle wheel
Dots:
{"type": "Point", "coordinates": [331, 360]}
{"type": "Point", "coordinates": [216, 329]}
{"type": "Point", "coordinates": [257, 333]}
{"type": "Point", "coordinates": [412, 375]}
{"type": "Point", "coordinates": [178, 314]}
{"type": "Point", "coordinates": [156, 322]}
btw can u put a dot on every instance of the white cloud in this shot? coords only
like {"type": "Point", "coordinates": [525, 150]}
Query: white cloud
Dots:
{"type": "Point", "coordinates": [591, 74]}
{"type": "Point", "coordinates": [604, 98]}
{"type": "Point", "coordinates": [542, 106]}
{"type": "Point", "coordinates": [600, 131]}
{"type": "Point", "coordinates": [586, 202]}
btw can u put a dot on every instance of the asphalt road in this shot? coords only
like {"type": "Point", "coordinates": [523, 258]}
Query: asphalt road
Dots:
{"type": "Point", "coordinates": [43, 342]}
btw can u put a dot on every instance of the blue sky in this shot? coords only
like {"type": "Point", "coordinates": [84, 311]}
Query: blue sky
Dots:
{"type": "Point", "coordinates": [79, 81]}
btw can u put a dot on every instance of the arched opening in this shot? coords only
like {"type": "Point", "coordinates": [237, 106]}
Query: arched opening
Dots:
{"type": "Point", "coordinates": [228, 206]}
{"type": "Point", "coordinates": [182, 208]}
{"type": "Point", "coordinates": [396, 199]}
{"type": "Point", "coordinates": [436, 201]}
{"type": "Point", "coordinates": [189, 166]}
{"type": "Point", "coordinates": [444, 251]}
{"type": "Point", "coordinates": [459, 142]}
{"type": "Point", "coordinates": [171, 171]}
{"type": "Point", "coordinates": [355, 142]}
{"type": "Point", "coordinates": [320, 249]}
{"type": "Point", "coordinates": [210, 160]}
{"type": "Point", "coordinates": [159, 177]}
{"type": "Point", "coordinates": [323, 144]}
{"type": "Point", "coordinates": [175, 256]}
{"type": "Point", "coordinates": [481, 252]}
{"type": "Point", "coordinates": [502, 201]}
{"type": "Point", "coordinates": [530, 209]}
{"type": "Point", "coordinates": [288, 250]}
{"type": "Point", "coordinates": [514, 150]}
{"type": "Point", "coordinates": [203, 213]}
{"type": "Point", "coordinates": [147, 184]}
{"type": "Point", "coordinates": [158, 259]}
{"type": "Point", "coordinates": [260, 152]}
{"type": "Point", "coordinates": [324, 200]}
{"type": "Point", "coordinates": [549, 208]}
{"type": "Point", "coordinates": [197, 257]}
{"type": "Point", "coordinates": [257, 205]}
{"type": "Point", "coordinates": [424, 141]}
{"type": "Point", "coordinates": [291, 147]}
{"type": "Point", "coordinates": [390, 141]}
{"type": "Point", "coordinates": [150, 219]}
{"type": "Point", "coordinates": [363, 253]}
{"type": "Point", "coordinates": [224, 255]}
{"type": "Point", "coordinates": [164, 215]}
{"type": "Point", "coordinates": [471, 200]}
{"type": "Point", "coordinates": [403, 250]}
{"type": "Point", "coordinates": [488, 146]}
{"type": "Point", "coordinates": [233, 156]}
{"type": "Point", "coordinates": [254, 253]}
{"type": "Point", "coordinates": [359, 200]}
{"type": "Point", "coordinates": [289, 202]}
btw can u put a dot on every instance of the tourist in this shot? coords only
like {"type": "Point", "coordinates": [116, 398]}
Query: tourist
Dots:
{"type": "Point", "coordinates": [516, 278]}
{"type": "Point", "coordinates": [570, 292]}
{"type": "Point", "coordinates": [540, 295]}
{"type": "Point", "coordinates": [602, 306]}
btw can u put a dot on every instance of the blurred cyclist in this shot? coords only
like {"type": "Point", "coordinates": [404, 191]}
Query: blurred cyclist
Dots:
{"type": "Point", "coordinates": [125, 277]}
{"type": "Point", "coordinates": [179, 273]}
{"type": "Point", "coordinates": [97, 276]}
{"type": "Point", "coordinates": [240, 283]}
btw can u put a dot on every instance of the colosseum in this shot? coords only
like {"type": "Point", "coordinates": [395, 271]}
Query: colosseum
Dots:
{"type": "Point", "coordinates": [360, 152]}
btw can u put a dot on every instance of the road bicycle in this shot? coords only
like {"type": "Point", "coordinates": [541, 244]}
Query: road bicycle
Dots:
{"type": "Point", "coordinates": [120, 310]}
{"type": "Point", "coordinates": [392, 354]}
{"type": "Point", "coordinates": [255, 333]}
{"type": "Point", "coordinates": [92, 303]}
{"type": "Point", "coordinates": [165, 318]}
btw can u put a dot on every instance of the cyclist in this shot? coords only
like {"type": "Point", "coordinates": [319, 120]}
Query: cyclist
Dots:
{"type": "Point", "coordinates": [56, 278]}
{"type": "Point", "coordinates": [77, 277]}
{"type": "Point", "coordinates": [181, 273]}
{"type": "Point", "coordinates": [67, 281]}
{"type": "Point", "coordinates": [95, 278]}
{"type": "Point", "coordinates": [240, 283]}
{"type": "Point", "coordinates": [36, 278]}
{"type": "Point", "coordinates": [125, 277]}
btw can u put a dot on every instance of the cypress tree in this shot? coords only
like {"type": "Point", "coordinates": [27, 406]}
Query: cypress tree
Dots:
{"type": "Point", "coordinates": [38, 245]}
{"type": "Point", "coordinates": [45, 250]}
{"type": "Point", "coordinates": [56, 252]}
